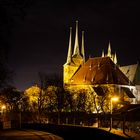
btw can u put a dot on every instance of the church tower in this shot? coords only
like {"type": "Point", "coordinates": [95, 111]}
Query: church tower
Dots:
{"type": "Point", "coordinates": [76, 57]}
{"type": "Point", "coordinates": [75, 60]}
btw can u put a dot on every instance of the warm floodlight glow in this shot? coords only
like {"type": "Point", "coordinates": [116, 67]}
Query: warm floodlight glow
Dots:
{"type": "Point", "coordinates": [3, 107]}
{"type": "Point", "coordinates": [115, 99]}
{"type": "Point", "coordinates": [72, 80]}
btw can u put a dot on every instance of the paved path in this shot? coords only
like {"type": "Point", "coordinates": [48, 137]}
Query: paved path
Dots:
{"type": "Point", "coordinates": [27, 135]}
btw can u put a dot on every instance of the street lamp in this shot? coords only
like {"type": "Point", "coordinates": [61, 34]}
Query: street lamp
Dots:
{"type": "Point", "coordinates": [113, 99]}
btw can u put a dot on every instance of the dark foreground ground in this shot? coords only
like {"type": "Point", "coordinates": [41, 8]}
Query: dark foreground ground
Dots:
{"type": "Point", "coordinates": [27, 135]}
{"type": "Point", "coordinates": [69, 132]}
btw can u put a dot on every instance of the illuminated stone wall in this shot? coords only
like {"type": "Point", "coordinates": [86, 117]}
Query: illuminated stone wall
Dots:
{"type": "Point", "coordinates": [68, 72]}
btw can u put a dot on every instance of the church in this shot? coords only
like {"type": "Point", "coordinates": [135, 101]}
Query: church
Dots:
{"type": "Point", "coordinates": [99, 75]}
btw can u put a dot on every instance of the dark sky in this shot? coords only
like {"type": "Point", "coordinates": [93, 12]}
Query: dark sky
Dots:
{"type": "Point", "coordinates": [40, 42]}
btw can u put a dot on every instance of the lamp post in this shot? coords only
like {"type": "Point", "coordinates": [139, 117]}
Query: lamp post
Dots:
{"type": "Point", "coordinates": [113, 99]}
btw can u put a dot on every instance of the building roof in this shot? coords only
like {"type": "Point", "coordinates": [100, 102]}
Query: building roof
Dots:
{"type": "Point", "coordinates": [132, 72]}
{"type": "Point", "coordinates": [129, 71]}
{"type": "Point", "coordinates": [137, 76]}
{"type": "Point", "coordinates": [99, 70]}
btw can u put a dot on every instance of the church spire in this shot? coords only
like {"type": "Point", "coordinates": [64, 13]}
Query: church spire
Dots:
{"type": "Point", "coordinates": [82, 48]}
{"type": "Point", "coordinates": [109, 50]}
{"type": "Point", "coordinates": [70, 47]}
{"type": "Point", "coordinates": [103, 54]}
{"type": "Point", "coordinates": [76, 45]}
{"type": "Point", "coordinates": [115, 58]}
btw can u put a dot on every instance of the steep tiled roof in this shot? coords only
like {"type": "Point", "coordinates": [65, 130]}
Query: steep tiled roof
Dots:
{"type": "Point", "coordinates": [132, 72]}
{"type": "Point", "coordinates": [99, 70]}
{"type": "Point", "coordinates": [129, 71]}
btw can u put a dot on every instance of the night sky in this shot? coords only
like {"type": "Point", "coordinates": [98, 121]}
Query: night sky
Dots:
{"type": "Point", "coordinates": [40, 42]}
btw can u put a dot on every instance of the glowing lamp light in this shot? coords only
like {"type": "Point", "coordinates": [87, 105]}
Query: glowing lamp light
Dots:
{"type": "Point", "coordinates": [3, 107]}
{"type": "Point", "coordinates": [115, 99]}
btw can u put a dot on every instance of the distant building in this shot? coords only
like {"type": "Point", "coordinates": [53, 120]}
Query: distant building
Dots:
{"type": "Point", "coordinates": [99, 73]}
{"type": "Point", "coordinates": [133, 74]}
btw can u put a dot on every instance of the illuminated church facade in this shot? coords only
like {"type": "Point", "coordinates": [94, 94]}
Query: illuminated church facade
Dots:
{"type": "Point", "coordinates": [99, 73]}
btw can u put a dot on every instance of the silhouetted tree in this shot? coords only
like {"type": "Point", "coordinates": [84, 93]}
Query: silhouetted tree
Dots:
{"type": "Point", "coordinates": [68, 101]}
{"type": "Point", "coordinates": [53, 90]}
{"type": "Point", "coordinates": [10, 97]}
{"type": "Point", "coordinates": [81, 102]}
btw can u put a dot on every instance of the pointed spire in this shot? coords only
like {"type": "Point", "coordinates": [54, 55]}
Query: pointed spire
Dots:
{"type": "Point", "coordinates": [103, 54]}
{"type": "Point", "coordinates": [76, 45]}
{"type": "Point", "coordinates": [109, 50]}
{"type": "Point", "coordinates": [82, 48]}
{"type": "Point", "coordinates": [70, 47]}
{"type": "Point", "coordinates": [115, 58]}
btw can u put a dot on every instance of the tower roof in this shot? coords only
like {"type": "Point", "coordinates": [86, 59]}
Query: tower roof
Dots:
{"type": "Point", "coordinates": [109, 50]}
{"type": "Point", "coordinates": [76, 45]}
{"type": "Point", "coordinates": [82, 47]}
{"type": "Point", "coordinates": [70, 47]}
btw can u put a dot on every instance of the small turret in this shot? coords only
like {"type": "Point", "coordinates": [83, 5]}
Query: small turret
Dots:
{"type": "Point", "coordinates": [109, 50]}
{"type": "Point", "coordinates": [115, 58]}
